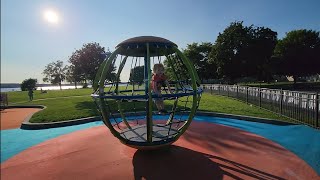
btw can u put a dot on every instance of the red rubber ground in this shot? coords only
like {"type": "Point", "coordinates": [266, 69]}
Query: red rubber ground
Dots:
{"type": "Point", "coordinates": [205, 151]}
{"type": "Point", "coordinates": [13, 117]}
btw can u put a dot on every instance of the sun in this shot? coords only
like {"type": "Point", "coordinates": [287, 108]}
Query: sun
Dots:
{"type": "Point", "coordinates": [51, 17]}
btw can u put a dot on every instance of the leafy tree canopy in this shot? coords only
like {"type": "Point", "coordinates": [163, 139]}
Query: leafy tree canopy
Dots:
{"type": "Point", "coordinates": [199, 55]}
{"type": "Point", "coordinates": [72, 75]}
{"type": "Point", "coordinates": [28, 84]}
{"type": "Point", "coordinates": [55, 73]}
{"type": "Point", "coordinates": [259, 52]}
{"type": "Point", "coordinates": [299, 53]}
{"type": "Point", "coordinates": [242, 51]}
{"type": "Point", "coordinates": [137, 75]}
{"type": "Point", "coordinates": [175, 69]}
{"type": "Point", "coordinates": [225, 52]}
{"type": "Point", "coordinates": [87, 60]}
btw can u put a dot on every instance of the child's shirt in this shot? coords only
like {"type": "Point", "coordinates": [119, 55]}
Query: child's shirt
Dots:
{"type": "Point", "coordinates": [158, 81]}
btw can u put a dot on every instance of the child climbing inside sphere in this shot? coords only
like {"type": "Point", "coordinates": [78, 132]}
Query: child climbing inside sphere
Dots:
{"type": "Point", "coordinates": [159, 79]}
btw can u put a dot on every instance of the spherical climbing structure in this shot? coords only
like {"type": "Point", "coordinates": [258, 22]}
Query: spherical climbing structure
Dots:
{"type": "Point", "coordinates": [124, 97]}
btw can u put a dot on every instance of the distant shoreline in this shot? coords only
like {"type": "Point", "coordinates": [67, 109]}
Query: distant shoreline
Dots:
{"type": "Point", "coordinates": [52, 87]}
{"type": "Point", "coordinates": [17, 85]}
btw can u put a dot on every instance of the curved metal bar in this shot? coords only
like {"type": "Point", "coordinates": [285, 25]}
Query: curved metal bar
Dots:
{"type": "Point", "coordinates": [165, 96]}
{"type": "Point", "coordinates": [106, 121]}
{"type": "Point", "coordinates": [117, 92]}
{"type": "Point", "coordinates": [122, 115]}
{"type": "Point", "coordinates": [195, 99]}
{"type": "Point", "coordinates": [175, 104]}
{"type": "Point", "coordinates": [136, 90]}
{"type": "Point", "coordinates": [99, 83]}
{"type": "Point", "coordinates": [104, 97]}
{"type": "Point", "coordinates": [142, 90]}
{"type": "Point", "coordinates": [106, 68]}
{"type": "Point", "coordinates": [95, 84]}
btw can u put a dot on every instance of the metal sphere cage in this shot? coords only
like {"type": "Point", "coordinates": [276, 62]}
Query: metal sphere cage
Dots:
{"type": "Point", "coordinates": [128, 107]}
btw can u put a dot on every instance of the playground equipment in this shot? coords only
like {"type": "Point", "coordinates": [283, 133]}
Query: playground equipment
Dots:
{"type": "Point", "coordinates": [127, 108]}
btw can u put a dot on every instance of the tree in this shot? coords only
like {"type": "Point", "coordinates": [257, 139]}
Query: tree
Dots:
{"type": "Point", "coordinates": [88, 59]}
{"type": "Point", "coordinates": [299, 53]}
{"type": "Point", "coordinates": [175, 69]}
{"type": "Point", "coordinates": [199, 55]}
{"type": "Point", "coordinates": [242, 51]}
{"type": "Point", "coordinates": [226, 51]}
{"type": "Point", "coordinates": [72, 75]}
{"type": "Point", "coordinates": [137, 75]}
{"type": "Point", "coordinates": [259, 51]}
{"type": "Point", "coordinates": [28, 84]}
{"type": "Point", "coordinates": [55, 73]}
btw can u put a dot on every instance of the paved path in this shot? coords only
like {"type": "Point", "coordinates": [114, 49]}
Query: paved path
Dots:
{"type": "Point", "coordinates": [13, 117]}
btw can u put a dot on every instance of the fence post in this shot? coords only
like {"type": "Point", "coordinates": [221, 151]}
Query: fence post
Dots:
{"type": "Point", "coordinates": [228, 90]}
{"type": "Point", "coordinates": [219, 89]}
{"type": "Point", "coordinates": [281, 100]}
{"type": "Point", "coordinates": [317, 109]}
{"type": "Point", "coordinates": [237, 92]}
{"type": "Point", "coordinates": [211, 89]}
{"type": "Point", "coordinates": [247, 94]}
{"type": "Point", "coordinates": [259, 97]}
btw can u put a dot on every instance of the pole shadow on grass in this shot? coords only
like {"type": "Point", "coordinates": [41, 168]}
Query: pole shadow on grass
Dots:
{"type": "Point", "coordinates": [177, 162]}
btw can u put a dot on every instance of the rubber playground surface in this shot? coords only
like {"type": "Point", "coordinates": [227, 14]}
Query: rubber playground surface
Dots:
{"type": "Point", "coordinates": [212, 148]}
{"type": "Point", "coordinates": [13, 117]}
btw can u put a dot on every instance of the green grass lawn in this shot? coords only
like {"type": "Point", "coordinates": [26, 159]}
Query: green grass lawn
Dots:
{"type": "Point", "coordinates": [64, 109]}
{"type": "Point", "coordinates": [77, 103]}
{"type": "Point", "coordinates": [19, 97]}
{"type": "Point", "coordinates": [222, 104]}
{"type": "Point", "coordinates": [22, 96]}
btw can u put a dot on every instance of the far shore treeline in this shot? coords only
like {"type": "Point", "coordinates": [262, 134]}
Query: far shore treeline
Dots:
{"type": "Point", "coordinates": [240, 53]}
{"type": "Point", "coordinates": [18, 85]}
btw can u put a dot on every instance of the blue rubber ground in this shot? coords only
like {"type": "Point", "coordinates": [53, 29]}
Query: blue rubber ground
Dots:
{"type": "Point", "coordinates": [299, 139]}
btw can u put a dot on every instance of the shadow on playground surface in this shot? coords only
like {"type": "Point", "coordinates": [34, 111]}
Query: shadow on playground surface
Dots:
{"type": "Point", "coordinates": [221, 148]}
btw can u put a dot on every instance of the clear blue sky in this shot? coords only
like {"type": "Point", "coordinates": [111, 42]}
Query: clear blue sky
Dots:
{"type": "Point", "coordinates": [29, 42]}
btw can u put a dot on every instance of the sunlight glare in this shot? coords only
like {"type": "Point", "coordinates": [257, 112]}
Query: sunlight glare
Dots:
{"type": "Point", "coordinates": [51, 16]}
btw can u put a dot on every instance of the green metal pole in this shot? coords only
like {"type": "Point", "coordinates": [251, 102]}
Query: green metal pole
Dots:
{"type": "Point", "coordinates": [117, 92]}
{"type": "Point", "coordinates": [194, 80]}
{"type": "Point", "coordinates": [105, 115]}
{"type": "Point", "coordinates": [169, 121]}
{"type": "Point", "coordinates": [105, 67]}
{"type": "Point", "coordinates": [99, 83]}
{"type": "Point", "coordinates": [95, 84]}
{"type": "Point", "coordinates": [147, 77]}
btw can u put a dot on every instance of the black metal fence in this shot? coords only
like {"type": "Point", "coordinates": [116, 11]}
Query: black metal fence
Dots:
{"type": "Point", "coordinates": [302, 107]}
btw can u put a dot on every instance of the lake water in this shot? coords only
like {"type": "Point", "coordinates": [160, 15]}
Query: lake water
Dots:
{"type": "Point", "coordinates": [43, 88]}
